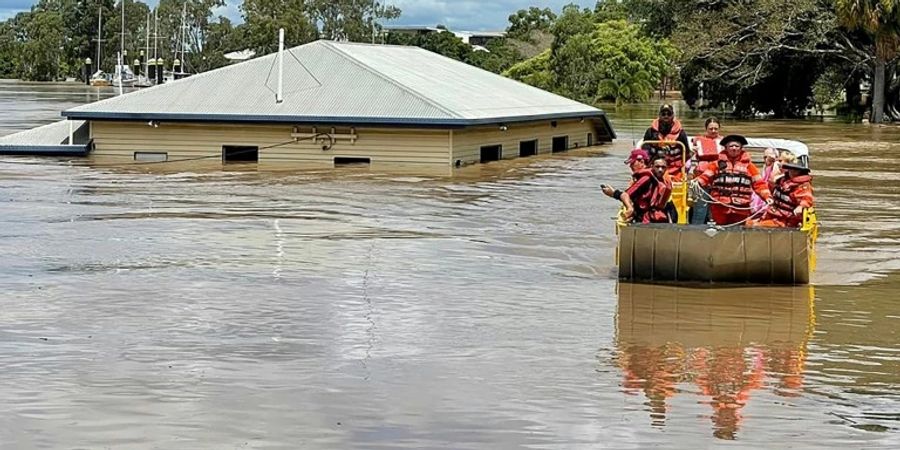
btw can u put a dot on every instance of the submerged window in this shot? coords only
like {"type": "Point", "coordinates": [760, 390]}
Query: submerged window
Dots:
{"type": "Point", "coordinates": [491, 153]}
{"type": "Point", "coordinates": [346, 160]}
{"type": "Point", "coordinates": [528, 148]}
{"type": "Point", "coordinates": [560, 143]}
{"type": "Point", "coordinates": [240, 153]}
{"type": "Point", "coordinates": [151, 156]}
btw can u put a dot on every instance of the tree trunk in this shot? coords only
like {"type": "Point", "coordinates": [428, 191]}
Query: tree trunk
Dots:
{"type": "Point", "coordinates": [878, 90]}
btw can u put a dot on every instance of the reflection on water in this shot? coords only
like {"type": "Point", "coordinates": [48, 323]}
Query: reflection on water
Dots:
{"type": "Point", "coordinates": [726, 344]}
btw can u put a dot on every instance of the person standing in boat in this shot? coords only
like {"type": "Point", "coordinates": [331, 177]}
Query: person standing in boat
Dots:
{"type": "Point", "coordinates": [792, 194]}
{"type": "Point", "coordinates": [646, 198]}
{"type": "Point", "coordinates": [667, 128]}
{"type": "Point", "coordinates": [706, 150]}
{"type": "Point", "coordinates": [731, 181]}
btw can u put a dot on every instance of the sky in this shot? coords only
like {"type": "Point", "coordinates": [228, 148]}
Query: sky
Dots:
{"type": "Point", "coordinates": [470, 15]}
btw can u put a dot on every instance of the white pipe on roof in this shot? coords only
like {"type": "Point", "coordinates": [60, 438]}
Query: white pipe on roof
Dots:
{"type": "Point", "coordinates": [278, 95]}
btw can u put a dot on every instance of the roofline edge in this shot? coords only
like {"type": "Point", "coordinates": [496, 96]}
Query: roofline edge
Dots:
{"type": "Point", "coordinates": [335, 120]}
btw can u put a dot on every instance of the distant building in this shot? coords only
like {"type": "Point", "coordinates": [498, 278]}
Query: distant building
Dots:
{"type": "Point", "coordinates": [479, 38]}
{"type": "Point", "coordinates": [412, 30]}
{"type": "Point", "coordinates": [388, 106]}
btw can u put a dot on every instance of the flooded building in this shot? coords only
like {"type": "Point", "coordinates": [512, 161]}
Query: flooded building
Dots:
{"type": "Point", "coordinates": [388, 106]}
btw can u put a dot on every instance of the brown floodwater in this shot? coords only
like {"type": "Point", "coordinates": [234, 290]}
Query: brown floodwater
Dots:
{"type": "Point", "coordinates": [195, 307]}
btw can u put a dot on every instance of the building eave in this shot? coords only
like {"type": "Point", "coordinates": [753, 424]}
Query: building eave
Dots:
{"type": "Point", "coordinates": [405, 122]}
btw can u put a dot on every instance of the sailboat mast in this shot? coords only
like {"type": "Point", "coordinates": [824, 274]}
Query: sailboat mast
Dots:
{"type": "Point", "coordinates": [155, 32]}
{"type": "Point", "coordinates": [99, 35]}
{"type": "Point", "coordinates": [147, 49]}
{"type": "Point", "coordinates": [122, 36]}
{"type": "Point", "coordinates": [183, 15]}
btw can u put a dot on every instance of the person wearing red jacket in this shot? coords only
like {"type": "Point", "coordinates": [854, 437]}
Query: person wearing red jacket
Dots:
{"type": "Point", "coordinates": [667, 128]}
{"type": "Point", "coordinates": [646, 198]}
{"type": "Point", "coordinates": [731, 181]}
{"type": "Point", "coordinates": [706, 150]}
{"type": "Point", "coordinates": [792, 194]}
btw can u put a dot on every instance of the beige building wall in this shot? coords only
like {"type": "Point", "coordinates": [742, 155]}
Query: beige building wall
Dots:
{"type": "Point", "coordinates": [467, 143]}
{"type": "Point", "coordinates": [119, 141]}
{"type": "Point", "coordinates": [413, 149]}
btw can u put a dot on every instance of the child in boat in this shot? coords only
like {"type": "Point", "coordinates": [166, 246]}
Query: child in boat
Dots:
{"type": "Point", "coordinates": [792, 194]}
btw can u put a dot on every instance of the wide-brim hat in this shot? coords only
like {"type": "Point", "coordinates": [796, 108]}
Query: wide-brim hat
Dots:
{"type": "Point", "coordinates": [795, 166]}
{"type": "Point", "coordinates": [733, 138]}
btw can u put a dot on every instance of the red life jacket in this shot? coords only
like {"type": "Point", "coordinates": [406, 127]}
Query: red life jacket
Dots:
{"type": "Point", "coordinates": [651, 205]}
{"type": "Point", "coordinates": [784, 202]}
{"type": "Point", "coordinates": [733, 184]}
{"type": "Point", "coordinates": [671, 152]}
{"type": "Point", "coordinates": [707, 148]}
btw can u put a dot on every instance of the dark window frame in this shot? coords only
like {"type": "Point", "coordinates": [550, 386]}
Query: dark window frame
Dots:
{"type": "Point", "coordinates": [537, 147]}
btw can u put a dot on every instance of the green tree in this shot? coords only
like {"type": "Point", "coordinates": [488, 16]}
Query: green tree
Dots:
{"type": "Point", "coordinates": [627, 65]}
{"type": "Point", "coordinates": [525, 22]}
{"type": "Point", "coordinates": [11, 45]}
{"type": "Point", "coordinates": [533, 71]}
{"type": "Point", "coordinates": [755, 57]}
{"type": "Point", "coordinates": [135, 38]}
{"type": "Point", "coordinates": [183, 25]}
{"type": "Point", "coordinates": [570, 53]}
{"type": "Point", "coordinates": [352, 20]}
{"type": "Point", "coordinates": [44, 42]}
{"type": "Point", "coordinates": [881, 20]}
{"type": "Point", "coordinates": [500, 55]}
{"type": "Point", "coordinates": [263, 19]}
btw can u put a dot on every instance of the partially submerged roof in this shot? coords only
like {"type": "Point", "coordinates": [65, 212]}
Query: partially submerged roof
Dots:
{"type": "Point", "coordinates": [51, 139]}
{"type": "Point", "coordinates": [345, 83]}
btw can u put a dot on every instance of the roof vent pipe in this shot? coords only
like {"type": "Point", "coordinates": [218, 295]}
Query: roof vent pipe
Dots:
{"type": "Point", "coordinates": [279, 96]}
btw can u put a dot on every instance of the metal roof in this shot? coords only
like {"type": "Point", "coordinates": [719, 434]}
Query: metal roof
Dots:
{"type": "Point", "coordinates": [339, 82]}
{"type": "Point", "coordinates": [51, 139]}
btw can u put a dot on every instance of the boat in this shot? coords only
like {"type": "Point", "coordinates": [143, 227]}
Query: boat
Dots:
{"type": "Point", "coordinates": [124, 76]}
{"type": "Point", "coordinates": [703, 254]}
{"type": "Point", "coordinates": [101, 79]}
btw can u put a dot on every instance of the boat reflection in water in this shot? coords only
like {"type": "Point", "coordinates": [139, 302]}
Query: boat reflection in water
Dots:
{"type": "Point", "coordinates": [722, 344]}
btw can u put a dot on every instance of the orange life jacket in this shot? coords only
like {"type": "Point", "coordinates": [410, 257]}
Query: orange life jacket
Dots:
{"type": "Point", "coordinates": [733, 183]}
{"type": "Point", "coordinates": [671, 152]}
{"type": "Point", "coordinates": [788, 195]}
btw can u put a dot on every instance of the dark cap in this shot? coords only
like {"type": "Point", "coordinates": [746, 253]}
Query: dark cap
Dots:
{"type": "Point", "coordinates": [795, 166]}
{"type": "Point", "coordinates": [666, 107]}
{"type": "Point", "coordinates": [638, 154]}
{"type": "Point", "coordinates": [733, 138]}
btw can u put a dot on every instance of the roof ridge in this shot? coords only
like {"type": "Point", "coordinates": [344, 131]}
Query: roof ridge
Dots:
{"type": "Point", "coordinates": [413, 92]}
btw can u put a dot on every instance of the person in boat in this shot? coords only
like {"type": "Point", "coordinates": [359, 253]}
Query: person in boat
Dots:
{"type": "Point", "coordinates": [792, 194]}
{"type": "Point", "coordinates": [770, 155]}
{"type": "Point", "coordinates": [706, 150]}
{"type": "Point", "coordinates": [731, 180]}
{"type": "Point", "coordinates": [785, 157]}
{"type": "Point", "coordinates": [646, 198]}
{"type": "Point", "coordinates": [667, 128]}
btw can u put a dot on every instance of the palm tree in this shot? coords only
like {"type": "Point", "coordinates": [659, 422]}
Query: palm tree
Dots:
{"type": "Point", "coordinates": [881, 20]}
{"type": "Point", "coordinates": [626, 87]}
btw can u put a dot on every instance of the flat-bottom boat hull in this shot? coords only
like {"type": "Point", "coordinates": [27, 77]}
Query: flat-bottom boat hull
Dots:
{"type": "Point", "coordinates": [669, 253]}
